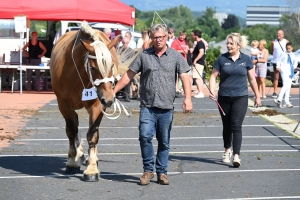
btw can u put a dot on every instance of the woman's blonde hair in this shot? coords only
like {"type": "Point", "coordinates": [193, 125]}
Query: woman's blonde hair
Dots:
{"type": "Point", "coordinates": [263, 42]}
{"type": "Point", "coordinates": [239, 39]}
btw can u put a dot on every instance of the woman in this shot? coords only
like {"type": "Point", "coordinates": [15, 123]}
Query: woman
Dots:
{"type": "Point", "coordinates": [143, 39]}
{"type": "Point", "coordinates": [34, 55]}
{"type": "Point", "coordinates": [261, 67]}
{"type": "Point", "coordinates": [234, 67]}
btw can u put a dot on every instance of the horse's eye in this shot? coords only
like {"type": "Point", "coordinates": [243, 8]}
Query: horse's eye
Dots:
{"type": "Point", "coordinates": [93, 68]}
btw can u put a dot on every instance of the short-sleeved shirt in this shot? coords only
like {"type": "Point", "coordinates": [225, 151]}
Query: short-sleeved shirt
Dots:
{"type": "Point", "coordinates": [233, 75]}
{"type": "Point", "coordinates": [179, 45]}
{"type": "Point", "coordinates": [199, 45]}
{"type": "Point", "coordinates": [158, 76]}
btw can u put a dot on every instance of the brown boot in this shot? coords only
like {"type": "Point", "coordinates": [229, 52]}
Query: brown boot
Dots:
{"type": "Point", "coordinates": [145, 179]}
{"type": "Point", "coordinates": [162, 179]}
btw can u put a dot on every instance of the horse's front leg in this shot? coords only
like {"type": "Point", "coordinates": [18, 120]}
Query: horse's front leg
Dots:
{"type": "Point", "coordinates": [92, 172]}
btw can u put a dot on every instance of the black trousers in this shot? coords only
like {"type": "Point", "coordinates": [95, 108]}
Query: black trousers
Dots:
{"type": "Point", "coordinates": [235, 109]}
{"type": "Point", "coordinates": [37, 74]}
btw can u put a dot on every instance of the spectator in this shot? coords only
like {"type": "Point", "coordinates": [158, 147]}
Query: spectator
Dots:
{"type": "Point", "coordinates": [233, 67]}
{"type": "Point", "coordinates": [143, 39]}
{"type": "Point", "coordinates": [132, 43]}
{"type": "Point", "coordinates": [171, 36]}
{"type": "Point", "coordinates": [34, 57]}
{"type": "Point", "coordinates": [198, 62]}
{"type": "Point", "coordinates": [254, 50]}
{"type": "Point", "coordinates": [261, 67]}
{"type": "Point", "coordinates": [278, 47]}
{"type": "Point", "coordinates": [286, 64]}
{"type": "Point", "coordinates": [158, 66]}
{"type": "Point", "coordinates": [107, 32]}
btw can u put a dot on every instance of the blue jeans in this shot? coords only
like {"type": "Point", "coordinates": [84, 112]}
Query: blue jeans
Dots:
{"type": "Point", "coordinates": [155, 121]}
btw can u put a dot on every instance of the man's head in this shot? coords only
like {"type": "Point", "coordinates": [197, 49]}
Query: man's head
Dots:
{"type": "Point", "coordinates": [170, 33]}
{"type": "Point", "coordinates": [107, 32]}
{"type": "Point", "coordinates": [128, 35]}
{"type": "Point", "coordinates": [125, 42]}
{"type": "Point", "coordinates": [196, 34]}
{"type": "Point", "coordinates": [159, 36]}
{"type": "Point", "coordinates": [280, 35]}
{"type": "Point", "coordinates": [289, 47]}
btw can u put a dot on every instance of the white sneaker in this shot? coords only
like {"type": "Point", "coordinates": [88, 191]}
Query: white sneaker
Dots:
{"type": "Point", "coordinates": [199, 95]}
{"type": "Point", "coordinates": [226, 157]}
{"type": "Point", "coordinates": [236, 161]}
{"type": "Point", "coordinates": [277, 103]}
{"type": "Point", "coordinates": [288, 105]}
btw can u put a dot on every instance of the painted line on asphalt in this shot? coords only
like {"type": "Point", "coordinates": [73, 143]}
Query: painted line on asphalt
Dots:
{"type": "Point", "coordinates": [138, 153]}
{"type": "Point", "coordinates": [262, 198]}
{"type": "Point", "coordinates": [173, 138]}
{"type": "Point", "coordinates": [135, 127]}
{"type": "Point", "coordinates": [170, 173]}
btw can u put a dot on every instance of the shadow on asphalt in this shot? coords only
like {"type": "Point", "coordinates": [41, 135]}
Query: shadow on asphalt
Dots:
{"type": "Point", "coordinates": [111, 176]}
{"type": "Point", "coordinates": [198, 159]}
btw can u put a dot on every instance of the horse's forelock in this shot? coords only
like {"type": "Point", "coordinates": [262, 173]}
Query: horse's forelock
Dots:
{"type": "Point", "coordinates": [103, 55]}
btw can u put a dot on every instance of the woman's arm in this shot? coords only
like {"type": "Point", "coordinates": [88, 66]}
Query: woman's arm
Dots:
{"type": "Point", "coordinates": [253, 84]}
{"type": "Point", "coordinates": [43, 48]}
{"type": "Point", "coordinates": [212, 83]}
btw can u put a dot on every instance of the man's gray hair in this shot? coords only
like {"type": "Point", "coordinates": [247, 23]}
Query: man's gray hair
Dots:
{"type": "Point", "coordinates": [107, 30]}
{"type": "Point", "coordinates": [158, 27]}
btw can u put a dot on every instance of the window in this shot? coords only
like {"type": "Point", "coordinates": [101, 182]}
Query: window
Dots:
{"type": "Point", "coordinates": [7, 29]}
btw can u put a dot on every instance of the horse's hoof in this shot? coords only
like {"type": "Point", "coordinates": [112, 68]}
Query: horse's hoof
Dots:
{"type": "Point", "coordinates": [72, 170]}
{"type": "Point", "coordinates": [90, 178]}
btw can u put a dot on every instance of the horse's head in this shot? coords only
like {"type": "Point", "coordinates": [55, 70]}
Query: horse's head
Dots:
{"type": "Point", "coordinates": [99, 65]}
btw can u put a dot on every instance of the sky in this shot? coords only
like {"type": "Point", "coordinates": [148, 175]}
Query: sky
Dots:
{"type": "Point", "coordinates": [237, 7]}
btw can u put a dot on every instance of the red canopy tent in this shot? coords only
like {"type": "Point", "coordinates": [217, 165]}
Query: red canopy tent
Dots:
{"type": "Point", "coordinates": [112, 11]}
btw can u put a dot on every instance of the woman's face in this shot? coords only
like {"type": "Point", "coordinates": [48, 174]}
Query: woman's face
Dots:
{"type": "Point", "coordinates": [182, 37]}
{"type": "Point", "coordinates": [232, 47]}
{"type": "Point", "coordinates": [261, 46]}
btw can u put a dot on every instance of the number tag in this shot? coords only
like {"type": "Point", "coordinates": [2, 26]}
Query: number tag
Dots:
{"type": "Point", "coordinates": [89, 94]}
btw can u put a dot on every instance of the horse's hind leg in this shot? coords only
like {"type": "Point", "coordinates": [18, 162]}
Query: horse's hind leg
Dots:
{"type": "Point", "coordinates": [75, 154]}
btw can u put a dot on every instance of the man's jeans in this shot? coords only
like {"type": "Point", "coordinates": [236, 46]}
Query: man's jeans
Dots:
{"type": "Point", "coordinates": [155, 121]}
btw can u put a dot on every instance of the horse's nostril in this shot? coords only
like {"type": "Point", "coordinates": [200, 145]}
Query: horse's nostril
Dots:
{"type": "Point", "coordinates": [106, 103]}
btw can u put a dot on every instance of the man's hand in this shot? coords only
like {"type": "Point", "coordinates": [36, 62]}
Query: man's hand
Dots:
{"type": "Point", "coordinates": [187, 105]}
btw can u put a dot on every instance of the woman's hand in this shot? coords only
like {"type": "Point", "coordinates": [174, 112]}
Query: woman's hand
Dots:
{"type": "Point", "coordinates": [212, 97]}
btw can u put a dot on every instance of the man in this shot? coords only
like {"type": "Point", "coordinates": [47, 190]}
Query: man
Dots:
{"type": "Point", "coordinates": [158, 66]}
{"type": "Point", "coordinates": [126, 53]}
{"type": "Point", "coordinates": [198, 62]}
{"type": "Point", "coordinates": [132, 43]}
{"type": "Point", "coordinates": [171, 37]}
{"type": "Point", "coordinates": [107, 32]}
{"type": "Point", "coordinates": [278, 47]}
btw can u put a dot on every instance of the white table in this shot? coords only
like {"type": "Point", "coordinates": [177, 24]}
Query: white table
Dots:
{"type": "Point", "coordinates": [17, 67]}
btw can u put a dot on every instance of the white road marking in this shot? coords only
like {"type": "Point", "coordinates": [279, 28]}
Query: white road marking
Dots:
{"type": "Point", "coordinates": [170, 173]}
{"type": "Point", "coordinates": [138, 153]}
{"type": "Point", "coordinates": [262, 198]}
{"type": "Point", "coordinates": [130, 127]}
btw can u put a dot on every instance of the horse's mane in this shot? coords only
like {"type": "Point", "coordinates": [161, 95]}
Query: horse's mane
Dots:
{"type": "Point", "coordinates": [125, 58]}
{"type": "Point", "coordinates": [103, 55]}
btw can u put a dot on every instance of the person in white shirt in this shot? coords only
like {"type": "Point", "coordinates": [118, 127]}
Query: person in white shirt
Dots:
{"type": "Point", "coordinates": [143, 39]}
{"type": "Point", "coordinates": [254, 50]}
{"type": "Point", "coordinates": [171, 37]}
{"type": "Point", "coordinates": [286, 64]}
{"type": "Point", "coordinates": [278, 47]}
{"type": "Point", "coordinates": [132, 43]}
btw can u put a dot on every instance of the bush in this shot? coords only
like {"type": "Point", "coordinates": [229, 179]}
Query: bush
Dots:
{"type": "Point", "coordinates": [211, 57]}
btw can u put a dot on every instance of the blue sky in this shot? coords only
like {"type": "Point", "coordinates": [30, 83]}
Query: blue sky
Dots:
{"type": "Point", "coordinates": [237, 7]}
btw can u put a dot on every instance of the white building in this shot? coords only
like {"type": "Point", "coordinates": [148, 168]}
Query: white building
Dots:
{"type": "Point", "coordinates": [265, 14]}
{"type": "Point", "coordinates": [220, 17]}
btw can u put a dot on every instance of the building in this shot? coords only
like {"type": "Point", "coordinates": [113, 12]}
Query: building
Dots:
{"type": "Point", "coordinates": [265, 14]}
{"type": "Point", "coordinates": [220, 17]}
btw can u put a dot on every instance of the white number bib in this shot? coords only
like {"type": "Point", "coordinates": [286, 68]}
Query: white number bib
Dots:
{"type": "Point", "coordinates": [89, 94]}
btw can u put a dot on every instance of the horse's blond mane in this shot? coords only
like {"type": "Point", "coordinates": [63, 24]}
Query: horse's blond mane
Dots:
{"type": "Point", "coordinates": [103, 55]}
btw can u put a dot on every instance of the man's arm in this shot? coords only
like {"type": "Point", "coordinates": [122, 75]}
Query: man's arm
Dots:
{"type": "Point", "coordinates": [124, 80]}
{"type": "Point", "coordinates": [187, 103]}
{"type": "Point", "coordinates": [201, 53]}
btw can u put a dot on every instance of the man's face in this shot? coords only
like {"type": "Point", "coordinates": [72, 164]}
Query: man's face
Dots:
{"type": "Point", "coordinates": [289, 49]}
{"type": "Point", "coordinates": [193, 35]}
{"type": "Point", "coordinates": [170, 35]}
{"type": "Point", "coordinates": [159, 39]}
{"type": "Point", "coordinates": [125, 44]}
{"type": "Point", "coordinates": [280, 35]}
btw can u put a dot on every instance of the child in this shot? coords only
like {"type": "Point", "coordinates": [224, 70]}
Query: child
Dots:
{"type": "Point", "coordinates": [286, 64]}
{"type": "Point", "coordinates": [254, 50]}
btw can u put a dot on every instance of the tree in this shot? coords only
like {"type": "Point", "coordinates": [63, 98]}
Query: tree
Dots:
{"type": "Point", "coordinates": [230, 22]}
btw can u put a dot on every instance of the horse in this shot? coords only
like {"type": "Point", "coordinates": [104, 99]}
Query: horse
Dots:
{"type": "Point", "coordinates": [82, 60]}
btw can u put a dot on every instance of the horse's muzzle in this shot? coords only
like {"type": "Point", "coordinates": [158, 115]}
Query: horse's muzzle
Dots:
{"type": "Point", "coordinates": [106, 103]}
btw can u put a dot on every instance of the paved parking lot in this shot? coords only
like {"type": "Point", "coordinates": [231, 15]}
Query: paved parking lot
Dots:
{"type": "Point", "coordinates": [32, 167]}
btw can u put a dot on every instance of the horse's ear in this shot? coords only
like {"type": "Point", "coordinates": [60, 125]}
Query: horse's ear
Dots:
{"type": "Point", "coordinates": [87, 46]}
{"type": "Point", "coordinates": [113, 42]}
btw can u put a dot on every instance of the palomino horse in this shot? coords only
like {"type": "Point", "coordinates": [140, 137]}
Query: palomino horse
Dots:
{"type": "Point", "coordinates": [82, 60]}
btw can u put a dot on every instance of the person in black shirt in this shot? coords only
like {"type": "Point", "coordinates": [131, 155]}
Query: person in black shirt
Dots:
{"type": "Point", "coordinates": [36, 50]}
{"type": "Point", "coordinates": [198, 62]}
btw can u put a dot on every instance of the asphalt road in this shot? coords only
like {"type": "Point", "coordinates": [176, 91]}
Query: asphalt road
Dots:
{"type": "Point", "coordinates": [32, 167]}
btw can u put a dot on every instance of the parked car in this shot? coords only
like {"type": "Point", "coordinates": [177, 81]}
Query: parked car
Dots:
{"type": "Point", "coordinates": [270, 71]}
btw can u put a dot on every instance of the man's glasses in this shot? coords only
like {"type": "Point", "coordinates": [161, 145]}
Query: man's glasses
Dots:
{"type": "Point", "coordinates": [159, 37]}
{"type": "Point", "coordinates": [170, 33]}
